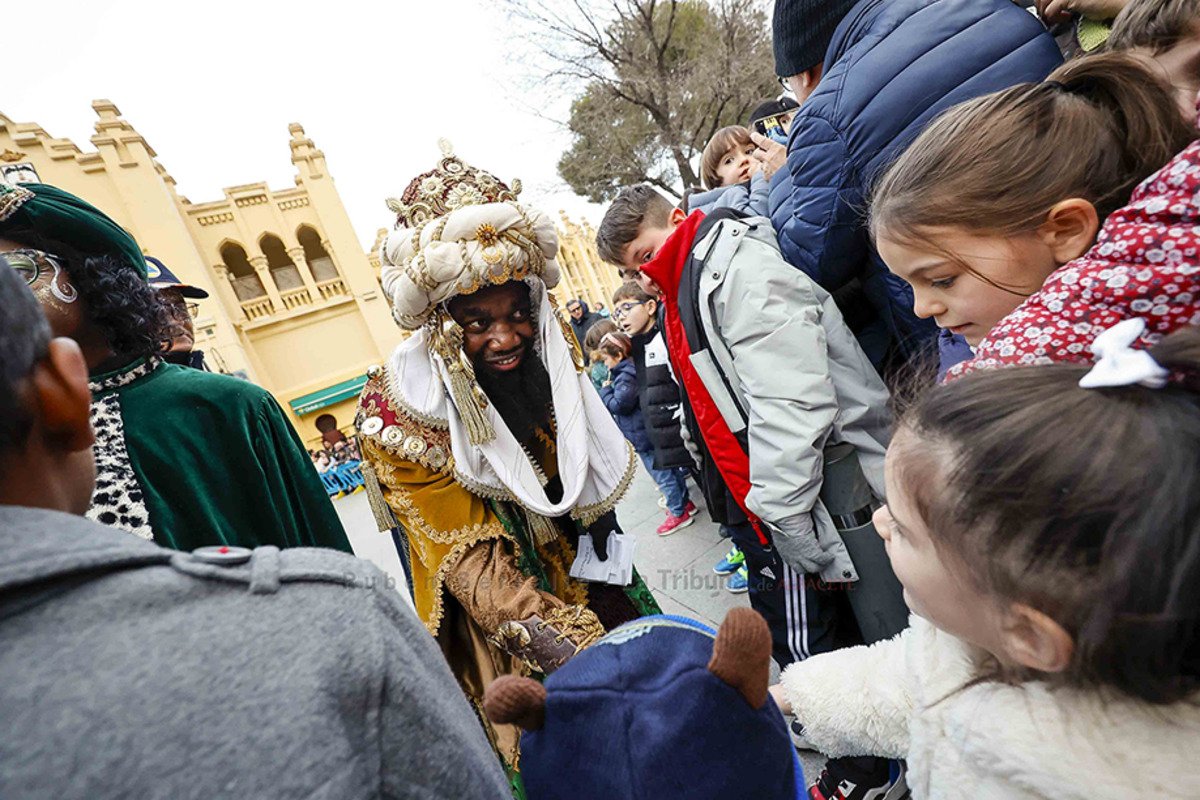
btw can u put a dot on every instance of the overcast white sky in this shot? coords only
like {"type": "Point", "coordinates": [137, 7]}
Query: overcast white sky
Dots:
{"type": "Point", "coordinates": [212, 85]}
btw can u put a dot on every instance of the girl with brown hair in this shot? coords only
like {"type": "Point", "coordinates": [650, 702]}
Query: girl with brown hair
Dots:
{"type": "Point", "coordinates": [1045, 524]}
{"type": "Point", "coordinates": [620, 396]}
{"type": "Point", "coordinates": [1001, 191]}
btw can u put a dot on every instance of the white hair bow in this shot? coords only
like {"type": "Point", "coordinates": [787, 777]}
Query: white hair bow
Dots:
{"type": "Point", "coordinates": [1118, 364]}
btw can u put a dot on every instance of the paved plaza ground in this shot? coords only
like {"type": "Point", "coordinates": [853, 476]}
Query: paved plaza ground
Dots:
{"type": "Point", "coordinates": [678, 568]}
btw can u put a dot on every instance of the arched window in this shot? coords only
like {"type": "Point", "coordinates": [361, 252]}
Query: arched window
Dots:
{"type": "Point", "coordinates": [318, 258]}
{"type": "Point", "coordinates": [246, 284]}
{"type": "Point", "coordinates": [283, 271]}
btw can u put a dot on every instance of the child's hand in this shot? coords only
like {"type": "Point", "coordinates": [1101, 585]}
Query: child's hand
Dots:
{"type": "Point", "coordinates": [780, 698]}
{"type": "Point", "coordinates": [1056, 11]}
{"type": "Point", "coordinates": [770, 153]}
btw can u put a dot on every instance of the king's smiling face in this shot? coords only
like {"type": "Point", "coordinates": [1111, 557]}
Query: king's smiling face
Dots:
{"type": "Point", "coordinates": [497, 324]}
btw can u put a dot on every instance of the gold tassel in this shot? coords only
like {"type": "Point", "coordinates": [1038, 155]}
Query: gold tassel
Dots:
{"type": "Point", "coordinates": [379, 507]}
{"type": "Point", "coordinates": [447, 343]}
{"type": "Point", "coordinates": [542, 529]}
{"type": "Point", "coordinates": [479, 428]}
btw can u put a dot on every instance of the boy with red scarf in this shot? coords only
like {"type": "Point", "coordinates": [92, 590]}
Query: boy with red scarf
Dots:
{"type": "Point", "coordinates": [790, 417]}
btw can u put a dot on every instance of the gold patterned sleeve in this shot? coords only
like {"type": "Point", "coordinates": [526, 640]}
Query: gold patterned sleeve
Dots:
{"type": "Point", "coordinates": [488, 584]}
{"type": "Point", "coordinates": [457, 545]}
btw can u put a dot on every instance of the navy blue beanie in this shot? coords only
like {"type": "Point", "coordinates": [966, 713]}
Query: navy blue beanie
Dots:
{"type": "Point", "coordinates": [801, 31]}
{"type": "Point", "coordinates": [640, 715]}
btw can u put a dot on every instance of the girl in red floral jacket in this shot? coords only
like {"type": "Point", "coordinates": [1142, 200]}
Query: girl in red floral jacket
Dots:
{"type": "Point", "coordinates": [999, 193]}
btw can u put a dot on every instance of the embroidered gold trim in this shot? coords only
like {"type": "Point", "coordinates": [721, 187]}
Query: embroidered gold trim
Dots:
{"type": "Point", "coordinates": [489, 531]}
{"type": "Point", "coordinates": [400, 501]}
{"type": "Point", "coordinates": [431, 448]}
{"type": "Point", "coordinates": [590, 513]}
{"type": "Point", "coordinates": [482, 489]}
{"type": "Point", "coordinates": [391, 390]}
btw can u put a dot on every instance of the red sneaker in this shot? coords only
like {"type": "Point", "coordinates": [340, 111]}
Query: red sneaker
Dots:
{"type": "Point", "coordinates": [690, 509]}
{"type": "Point", "coordinates": [673, 524]}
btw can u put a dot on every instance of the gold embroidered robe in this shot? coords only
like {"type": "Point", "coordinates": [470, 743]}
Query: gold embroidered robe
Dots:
{"type": "Point", "coordinates": [474, 563]}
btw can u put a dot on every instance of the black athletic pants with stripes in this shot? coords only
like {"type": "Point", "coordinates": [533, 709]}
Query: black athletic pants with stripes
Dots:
{"type": "Point", "coordinates": [806, 616]}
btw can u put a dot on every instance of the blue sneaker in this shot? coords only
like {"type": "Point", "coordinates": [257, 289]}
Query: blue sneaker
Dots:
{"type": "Point", "coordinates": [729, 564]}
{"type": "Point", "coordinates": [739, 582]}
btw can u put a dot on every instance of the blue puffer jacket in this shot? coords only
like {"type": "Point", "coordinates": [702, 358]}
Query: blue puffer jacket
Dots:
{"type": "Point", "coordinates": [891, 67]}
{"type": "Point", "coordinates": [749, 198]}
{"type": "Point", "coordinates": [621, 399]}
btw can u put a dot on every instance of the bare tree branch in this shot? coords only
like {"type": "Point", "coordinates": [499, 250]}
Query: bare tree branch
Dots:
{"type": "Point", "coordinates": [652, 81]}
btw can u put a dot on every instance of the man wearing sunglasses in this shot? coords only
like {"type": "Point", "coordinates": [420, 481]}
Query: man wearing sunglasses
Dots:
{"type": "Point", "coordinates": [180, 301]}
{"type": "Point", "coordinates": [183, 457]}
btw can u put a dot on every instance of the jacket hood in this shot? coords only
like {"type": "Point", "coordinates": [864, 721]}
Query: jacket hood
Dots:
{"type": "Point", "coordinates": [666, 268]}
{"type": "Point", "coordinates": [703, 201]}
{"type": "Point", "coordinates": [39, 544]}
{"type": "Point", "coordinates": [623, 366]}
{"type": "Point", "coordinates": [586, 320]}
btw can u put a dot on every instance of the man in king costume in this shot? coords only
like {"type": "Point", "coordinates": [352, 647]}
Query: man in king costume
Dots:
{"type": "Point", "coordinates": [487, 440]}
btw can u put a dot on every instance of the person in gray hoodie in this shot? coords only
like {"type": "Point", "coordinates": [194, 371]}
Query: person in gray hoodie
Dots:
{"type": "Point", "coordinates": [131, 670]}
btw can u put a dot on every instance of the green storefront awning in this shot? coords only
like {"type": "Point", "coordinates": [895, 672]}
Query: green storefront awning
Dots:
{"type": "Point", "coordinates": [327, 396]}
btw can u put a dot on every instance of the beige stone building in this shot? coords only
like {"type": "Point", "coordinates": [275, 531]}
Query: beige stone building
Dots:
{"type": "Point", "coordinates": [295, 305]}
{"type": "Point", "coordinates": [584, 275]}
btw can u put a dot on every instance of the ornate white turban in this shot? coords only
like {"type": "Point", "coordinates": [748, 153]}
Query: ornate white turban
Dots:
{"type": "Point", "coordinates": [458, 229]}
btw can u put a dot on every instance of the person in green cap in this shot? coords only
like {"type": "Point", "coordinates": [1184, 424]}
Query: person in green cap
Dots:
{"type": "Point", "coordinates": [183, 457]}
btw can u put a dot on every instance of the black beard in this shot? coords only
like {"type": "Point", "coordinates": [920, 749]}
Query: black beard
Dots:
{"type": "Point", "coordinates": [522, 396]}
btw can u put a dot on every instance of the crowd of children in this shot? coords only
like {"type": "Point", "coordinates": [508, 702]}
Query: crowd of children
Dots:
{"type": "Point", "coordinates": [1035, 511]}
{"type": "Point", "coordinates": [927, 342]}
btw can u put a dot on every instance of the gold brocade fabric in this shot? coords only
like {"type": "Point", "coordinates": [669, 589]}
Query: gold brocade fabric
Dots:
{"type": "Point", "coordinates": [460, 549]}
{"type": "Point", "coordinates": [466, 566]}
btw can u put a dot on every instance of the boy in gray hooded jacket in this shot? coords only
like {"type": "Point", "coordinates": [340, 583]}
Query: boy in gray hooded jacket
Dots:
{"type": "Point", "coordinates": [791, 420]}
{"type": "Point", "coordinates": [131, 670]}
{"type": "Point", "coordinates": [779, 397]}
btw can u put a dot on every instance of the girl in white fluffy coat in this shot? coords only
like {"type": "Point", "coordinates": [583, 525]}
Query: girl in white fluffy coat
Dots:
{"type": "Point", "coordinates": [1048, 540]}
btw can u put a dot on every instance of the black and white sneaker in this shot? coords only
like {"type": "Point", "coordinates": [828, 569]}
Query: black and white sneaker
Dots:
{"type": "Point", "coordinates": [857, 779]}
{"type": "Point", "coordinates": [799, 739]}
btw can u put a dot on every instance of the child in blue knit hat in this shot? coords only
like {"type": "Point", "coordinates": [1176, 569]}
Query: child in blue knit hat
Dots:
{"type": "Point", "coordinates": [647, 711]}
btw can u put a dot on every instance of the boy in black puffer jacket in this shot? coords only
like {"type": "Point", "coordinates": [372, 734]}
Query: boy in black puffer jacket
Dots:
{"type": "Point", "coordinates": [622, 399]}
{"type": "Point", "coordinates": [637, 313]}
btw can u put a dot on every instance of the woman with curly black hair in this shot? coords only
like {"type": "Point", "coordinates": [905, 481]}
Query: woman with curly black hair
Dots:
{"type": "Point", "coordinates": [124, 318]}
{"type": "Point", "coordinates": [184, 457]}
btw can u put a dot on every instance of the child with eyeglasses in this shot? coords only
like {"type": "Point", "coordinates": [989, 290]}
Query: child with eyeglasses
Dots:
{"type": "Point", "coordinates": [657, 398]}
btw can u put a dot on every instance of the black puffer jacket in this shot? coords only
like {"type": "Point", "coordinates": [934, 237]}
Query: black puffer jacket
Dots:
{"type": "Point", "coordinates": [659, 395]}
